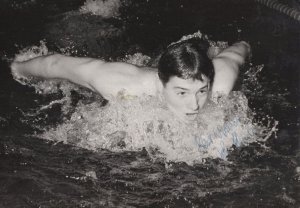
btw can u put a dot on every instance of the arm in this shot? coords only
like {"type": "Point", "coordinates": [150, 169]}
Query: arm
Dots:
{"type": "Point", "coordinates": [227, 65]}
{"type": "Point", "coordinates": [55, 67]}
{"type": "Point", "coordinates": [97, 75]}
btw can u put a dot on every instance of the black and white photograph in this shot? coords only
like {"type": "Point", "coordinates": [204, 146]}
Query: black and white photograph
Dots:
{"type": "Point", "coordinates": [149, 103]}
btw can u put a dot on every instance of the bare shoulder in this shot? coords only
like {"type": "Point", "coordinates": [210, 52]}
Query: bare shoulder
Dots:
{"type": "Point", "coordinates": [108, 70]}
{"type": "Point", "coordinates": [109, 78]}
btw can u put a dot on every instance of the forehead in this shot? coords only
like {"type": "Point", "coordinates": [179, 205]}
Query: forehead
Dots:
{"type": "Point", "coordinates": [187, 83]}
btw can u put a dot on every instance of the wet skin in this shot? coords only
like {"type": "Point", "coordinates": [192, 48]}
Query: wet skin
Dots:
{"type": "Point", "coordinates": [185, 97]}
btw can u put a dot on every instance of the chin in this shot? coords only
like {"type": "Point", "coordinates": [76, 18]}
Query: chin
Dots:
{"type": "Point", "coordinates": [186, 118]}
{"type": "Point", "coordinates": [190, 118]}
{"type": "Point", "coordinates": [183, 116]}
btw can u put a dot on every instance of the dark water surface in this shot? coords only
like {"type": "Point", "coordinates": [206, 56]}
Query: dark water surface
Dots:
{"type": "Point", "coordinates": [37, 173]}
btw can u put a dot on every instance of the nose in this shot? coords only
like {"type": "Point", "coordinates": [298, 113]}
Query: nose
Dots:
{"type": "Point", "coordinates": [193, 104]}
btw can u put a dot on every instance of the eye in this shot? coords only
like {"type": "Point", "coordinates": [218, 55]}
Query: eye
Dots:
{"type": "Point", "coordinates": [202, 91]}
{"type": "Point", "coordinates": [181, 93]}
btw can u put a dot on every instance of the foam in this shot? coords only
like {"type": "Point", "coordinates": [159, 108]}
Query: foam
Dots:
{"type": "Point", "coordinates": [215, 47]}
{"type": "Point", "coordinates": [137, 123]}
{"type": "Point", "coordinates": [106, 9]}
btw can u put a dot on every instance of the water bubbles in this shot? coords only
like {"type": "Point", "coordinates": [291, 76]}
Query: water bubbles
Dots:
{"type": "Point", "coordinates": [138, 59]}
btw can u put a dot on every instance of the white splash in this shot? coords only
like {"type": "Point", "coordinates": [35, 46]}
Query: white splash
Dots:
{"type": "Point", "coordinates": [103, 8]}
{"type": "Point", "coordinates": [136, 123]}
{"type": "Point", "coordinates": [215, 47]}
{"type": "Point", "coordinates": [32, 52]}
{"type": "Point", "coordinates": [138, 59]}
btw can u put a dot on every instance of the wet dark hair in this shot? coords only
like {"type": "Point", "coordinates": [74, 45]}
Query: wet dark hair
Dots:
{"type": "Point", "coordinates": [187, 60]}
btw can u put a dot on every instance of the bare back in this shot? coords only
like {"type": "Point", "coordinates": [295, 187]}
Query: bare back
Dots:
{"type": "Point", "coordinates": [112, 78]}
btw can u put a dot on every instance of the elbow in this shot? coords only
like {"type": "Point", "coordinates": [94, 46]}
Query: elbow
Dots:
{"type": "Point", "coordinates": [237, 53]}
{"type": "Point", "coordinates": [247, 46]}
{"type": "Point", "coordinates": [244, 51]}
{"type": "Point", "coordinates": [233, 58]}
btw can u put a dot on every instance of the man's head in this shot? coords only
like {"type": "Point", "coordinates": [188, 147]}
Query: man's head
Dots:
{"type": "Point", "coordinates": [186, 73]}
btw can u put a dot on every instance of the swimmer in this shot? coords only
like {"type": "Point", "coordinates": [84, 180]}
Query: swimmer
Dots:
{"type": "Point", "coordinates": [185, 78]}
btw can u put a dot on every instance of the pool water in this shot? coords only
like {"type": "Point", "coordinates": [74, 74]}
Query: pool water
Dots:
{"type": "Point", "coordinates": [35, 172]}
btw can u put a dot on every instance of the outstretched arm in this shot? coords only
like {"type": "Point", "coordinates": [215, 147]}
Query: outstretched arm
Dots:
{"type": "Point", "coordinates": [227, 65]}
{"type": "Point", "coordinates": [103, 77]}
{"type": "Point", "coordinates": [56, 67]}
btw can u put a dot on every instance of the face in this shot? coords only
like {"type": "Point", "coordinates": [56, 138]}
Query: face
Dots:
{"type": "Point", "coordinates": [185, 97]}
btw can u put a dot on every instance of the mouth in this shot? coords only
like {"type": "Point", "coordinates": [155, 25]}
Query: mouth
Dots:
{"type": "Point", "coordinates": [191, 116]}
{"type": "Point", "coordinates": [192, 113]}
